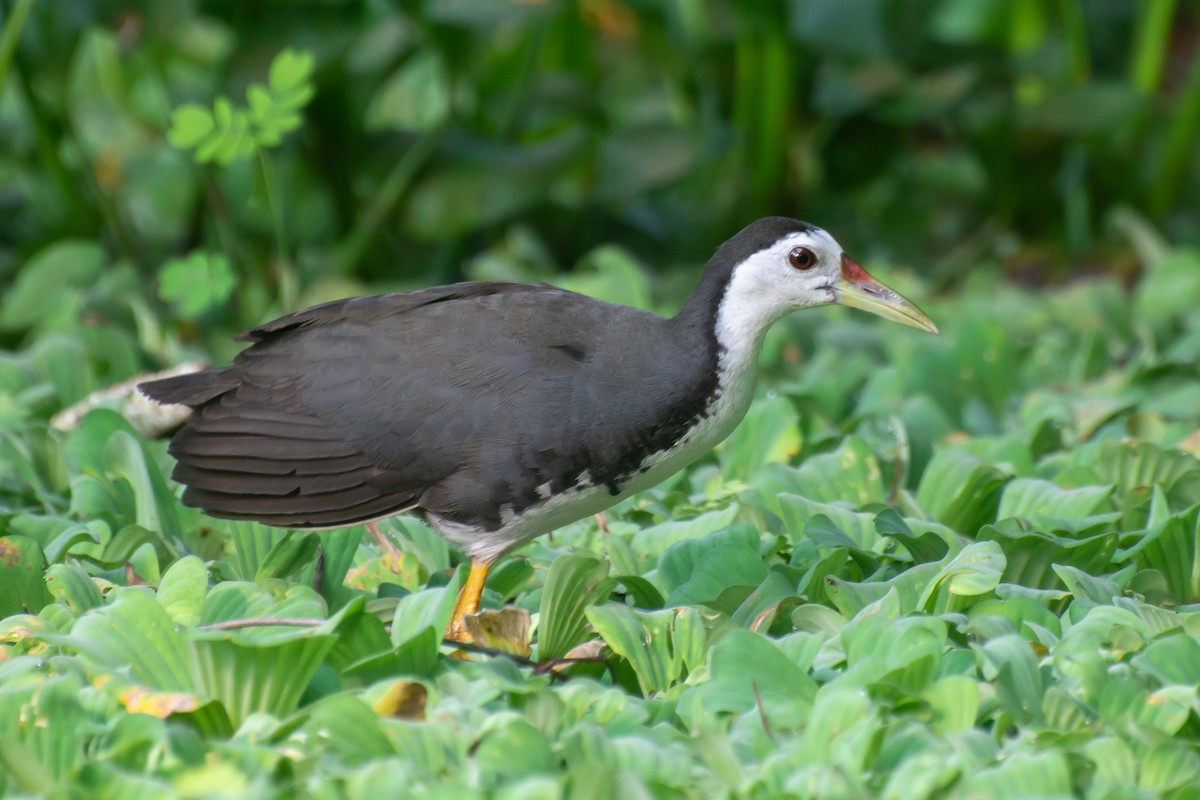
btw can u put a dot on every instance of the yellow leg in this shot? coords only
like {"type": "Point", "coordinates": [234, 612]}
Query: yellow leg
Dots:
{"type": "Point", "coordinates": [467, 602]}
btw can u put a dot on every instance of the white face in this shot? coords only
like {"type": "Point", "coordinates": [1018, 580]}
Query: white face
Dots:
{"type": "Point", "coordinates": [798, 271]}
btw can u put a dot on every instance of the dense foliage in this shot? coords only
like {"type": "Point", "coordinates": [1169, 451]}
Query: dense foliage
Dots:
{"type": "Point", "coordinates": [922, 567]}
{"type": "Point", "coordinates": [965, 566]}
{"type": "Point", "coordinates": [953, 133]}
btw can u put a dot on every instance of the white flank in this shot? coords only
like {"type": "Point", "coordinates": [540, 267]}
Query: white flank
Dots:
{"type": "Point", "coordinates": [762, 289]}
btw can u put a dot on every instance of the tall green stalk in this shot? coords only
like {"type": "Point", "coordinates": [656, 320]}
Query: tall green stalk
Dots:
{"type": "Point", "coordinates": [1150, 44]}
{"type": "Point", "coordinates": [351, 249]}
{"type": "Point", "coordinates": [1075, 30]}
{"type": "Point", "coordinates": [1180, 147]}
{"type": "Point", "coordinates": [289, 289]}
{"type": "Point", "coordinates": [11, 34]}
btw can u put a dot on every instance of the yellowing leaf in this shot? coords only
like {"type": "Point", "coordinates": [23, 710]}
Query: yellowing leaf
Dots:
{"type": "Point", "coordinates": [505, 629]}
{"type": "Point", "coordinates": [140, 700]}
{"type": "Point", "coordinates": [405, 699]}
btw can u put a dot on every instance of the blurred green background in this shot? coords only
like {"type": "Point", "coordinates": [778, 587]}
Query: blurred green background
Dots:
{"type": "Point", "coordinates": [941, 134]}
{"type": "Point", "coordinates": [491, 138]}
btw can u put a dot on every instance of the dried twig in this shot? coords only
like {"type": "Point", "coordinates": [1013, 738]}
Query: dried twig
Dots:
{"type": "Point", "coordinates": [258, 622]}
{"type": "Point", "coordinates": [762, 712]}
{"type": "Point", "coordinates": [549, 667]}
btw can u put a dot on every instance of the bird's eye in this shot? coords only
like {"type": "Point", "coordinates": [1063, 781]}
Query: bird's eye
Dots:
{"type": "Point", "coordinates": [801, 258]}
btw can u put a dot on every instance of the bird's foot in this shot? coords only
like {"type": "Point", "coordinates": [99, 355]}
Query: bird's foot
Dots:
{"type": "Point", "coordinates": [467, 603]}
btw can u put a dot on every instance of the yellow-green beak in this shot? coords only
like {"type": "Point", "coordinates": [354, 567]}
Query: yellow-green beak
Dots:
{"type": "Point", "coordinates": [858, 289]}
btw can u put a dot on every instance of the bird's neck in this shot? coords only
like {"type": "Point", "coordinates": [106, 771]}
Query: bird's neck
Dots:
{"type": "Point", "coordinates": [730, 322]}
{"type": "Point", "coordinates": [731, 319]}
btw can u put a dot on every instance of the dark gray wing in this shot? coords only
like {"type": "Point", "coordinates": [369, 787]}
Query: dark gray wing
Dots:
{"type": "Point", "coordinates": [464, 399]}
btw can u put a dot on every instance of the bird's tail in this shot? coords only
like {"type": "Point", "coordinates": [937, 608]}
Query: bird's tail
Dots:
{"type": "Point", "coordinates": [193, 389]}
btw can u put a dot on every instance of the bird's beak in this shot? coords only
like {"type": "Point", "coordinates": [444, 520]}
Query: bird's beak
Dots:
{"type": "Point", "coordinates": [858, 289]}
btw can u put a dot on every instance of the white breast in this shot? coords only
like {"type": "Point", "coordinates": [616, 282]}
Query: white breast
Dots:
{"type": "Point", "coordinates": [739, 339]}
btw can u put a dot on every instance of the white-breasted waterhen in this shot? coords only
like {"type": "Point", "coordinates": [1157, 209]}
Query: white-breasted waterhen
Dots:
{"type": "Point", "coordinates": [502, 410]}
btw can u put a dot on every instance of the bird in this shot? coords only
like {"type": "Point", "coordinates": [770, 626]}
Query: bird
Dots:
{"type": "Point", "coordinates": [501, 410]}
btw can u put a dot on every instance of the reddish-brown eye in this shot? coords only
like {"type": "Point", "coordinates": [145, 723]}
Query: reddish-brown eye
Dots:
{"type": "Point", "coordinates": [802, 258]}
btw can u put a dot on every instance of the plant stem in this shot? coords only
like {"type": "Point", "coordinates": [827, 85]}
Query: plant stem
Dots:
{"type": "Point", "coordinates": [1180, 144]}
{"type": "Point", "coordinates": [288, 285]}
{"type": "Point", "coordinates": [1075, 29]}
{"type": "Point", "coordinates": [350, 250]}
{"type": "Point", "coordinates": [258, 622]}
{"type": "Point", "coordinates": [11, 34]}
{"type": "Point", "coordinates": [1150, 44]}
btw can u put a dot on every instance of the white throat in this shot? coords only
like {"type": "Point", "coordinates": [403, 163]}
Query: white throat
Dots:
{"type": "Point", "coordinates": [754, 299]}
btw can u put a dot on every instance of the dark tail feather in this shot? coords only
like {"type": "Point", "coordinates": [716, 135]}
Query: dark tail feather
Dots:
{"type": "Point", "coordinates": [194, 389]}
{"type": "Point", "coordinates": [251, 453]}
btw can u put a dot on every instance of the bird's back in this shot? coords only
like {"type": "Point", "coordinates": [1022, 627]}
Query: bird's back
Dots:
{"type": "Point", "coordinates": [472, 401]}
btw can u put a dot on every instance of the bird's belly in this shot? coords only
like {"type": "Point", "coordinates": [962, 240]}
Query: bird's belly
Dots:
{"type": "Point", "coordinates": [585, 499]}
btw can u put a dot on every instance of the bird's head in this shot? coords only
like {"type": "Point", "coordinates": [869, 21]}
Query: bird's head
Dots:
{"type": "Point", "coordinates": [777, 265]}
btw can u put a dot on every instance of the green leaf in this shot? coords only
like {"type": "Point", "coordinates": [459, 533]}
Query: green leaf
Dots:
{"type": "Point", "coordinates": [775, 595]}
{"type": "Point", "coordinates": [701, 569]}
{"type": "Point", "coordinates": [196, 284]}
{"type": "Point", "coordinates": [22, 576]}
{"type": "Point", "coordinates": [745, 668]}
{"type": "Point", "coordinates": [64, 362]}
{"type": "Point", "coordinates": [610, 273]}
{"type": "Point", "coordinates": [190, 124]}
{"type": "Point", "coordinates": [850, 474]}
{"type": "Point", "coordinates": [349, 728]}
{"type": "Point", "coordinates": [73, 587]}
{"type": "Point", "coordinates": [961, 491]}
{"type": "Point", "coordinates": [974, 571]}
{"type": "Point", "coordinates": [1114, 761]}
{"type": "Point", "coordinates": [49, 287]}
{"type": "Point", "coordinates": [798, 512]}
{"type": "Point", "coordinates": [1020, 683]}
{"type": "Point", "coordinates": [955, 702]}
{"type": "Point", "coordinates": [1032, 498]}
{"type": "Point", "coordinates": [572, 584]}
{"type": "Point", "coordinates": [1173, 660]}
{"type": "Point", "coordinates": [851, 597]}
{"type": "Point", "coordinates": [238, 600]}
{"type": "Point", "coordinates": [427, 609]}
{"type": "Point", "coordinates": [182, 590]}
{"type": "Point", "coordinates": [292, 553]}
{"type": "Point", "coordinates": [841, 728]}
{"type": "Point", "coordinates": [1031, 555]}
{"type": "Point", "coordinates": [768, 434]}
{"type": "Point", "coordinates": [1173, 549]}
{"type": "Point", "coordinates": [134, 632]}
{"type": "Point", "coordinates": [41, 743]}
{"type": "Point", "coordinates": [155, 505]}
{"type": "Point", "coordinates": [500, 185]}
{"type": "Point", "coordinates": [929, 546]}
{"type": "Point", "coordinates": [415, 98]}
{"type": "Point", "coordinates": [644, 593]}
{"type": "Point", "coordinates": [259, 100]}
{"type": "Point", "coordinates": [1087, 589]}
{"type": "Point", "coordinates": [289, 69]}
{"type": "Point", "coordinates": [229, 132]}
{"type": "Point", "coordinates": [644, 639]}
{"type": "Point", "coordinates": [657, 539]}
{"type": "Point", "coordinates": [512, 748]}
{"type": "Point", "coordinates": [252, 678]}
{"type": "Point", "coordinates": [1170, 765]}
{"type": "Point", "coordinates": [1169, 287]}
{"type": "Point", "coordinates": [1135, 467]}
{"type": "Point", "coordinates": [252, 542]}
{"type": "Point", "coordinates": [1023, 775]}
